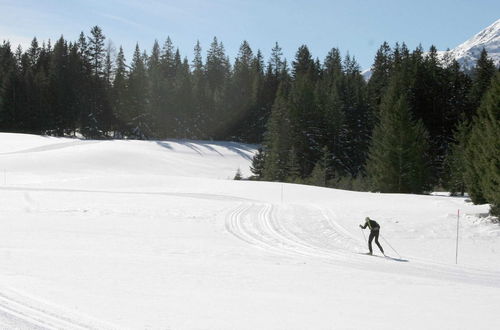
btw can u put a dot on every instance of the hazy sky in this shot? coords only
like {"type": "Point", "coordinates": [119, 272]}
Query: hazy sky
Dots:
{"type": "Point", "coordinates": [358, 27]}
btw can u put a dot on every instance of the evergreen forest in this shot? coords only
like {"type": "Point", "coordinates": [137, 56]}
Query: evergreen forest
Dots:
{"type": "Point", "coordinates": [419, 123]}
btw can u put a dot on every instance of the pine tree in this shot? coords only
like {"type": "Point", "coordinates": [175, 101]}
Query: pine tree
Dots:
{"type": "Point", "coordinates": [397, 158]}
{"type": "Point", "coordinates": [322, 171]}
{"type": "Point", "coordinates": [258, 161]}
{"type": "Point", "coordinates": [96, 51]}
{"type": "Point", "coordinates": [119, 93]}
{"type": "Point", "coordinates": [240, 92]}
{"type": "Point", "coordinates": [482, 74]}
{"type": "Point", "coordinates": [155, 86]}
{"type": "Point", "coordinates": [455, 161]}
{"type": "Point", "coordinates": [328, 99]}
{"type": "Point", "coordinates": [275, 72]}
{"type": "Point", "coordinates": [109, 64]}
{"type": "Point", "coordinates": [238, 175]}
{"type": "Point", "coordinates": [305, 112]}
{"type": "Point", "coordinates": [292, 169]}
{"type": "Point", "coordinates": [183, 99]}
{"type": "Point", "coordinates": [381, 73]}
{"type": "Point", "coordinates": [136, 116]}
{"type": "Point", "coordinates": [357, 118]}
{"type": "Point", "coordinates": [199, 120]}
{"type": "Point", "coordinates": [217, 70]}
{"type": "Point", "coordinates": [277, 139]}
{"type": "Point", "coordinates": [482, 156]}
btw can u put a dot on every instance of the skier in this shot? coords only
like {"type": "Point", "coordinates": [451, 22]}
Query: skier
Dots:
{"type": "Point", "coordinates": [374, 232]}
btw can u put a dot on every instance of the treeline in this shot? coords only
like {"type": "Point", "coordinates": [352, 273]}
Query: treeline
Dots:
{"type": "Point", "coordinates": [83, 88]}
{"type": "Point", "coordinates": [419, 123]}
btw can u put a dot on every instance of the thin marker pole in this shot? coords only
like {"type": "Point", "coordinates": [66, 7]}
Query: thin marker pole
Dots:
{"type": "Point", "coordinates": [456, 249]}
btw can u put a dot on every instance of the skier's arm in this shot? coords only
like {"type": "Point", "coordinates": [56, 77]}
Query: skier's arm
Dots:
{"type": "Point", "coordinates": [363, 227]}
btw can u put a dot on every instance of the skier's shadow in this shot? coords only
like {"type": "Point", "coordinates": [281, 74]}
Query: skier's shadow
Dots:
{"type": "Point", "coordinates": [386, 257]}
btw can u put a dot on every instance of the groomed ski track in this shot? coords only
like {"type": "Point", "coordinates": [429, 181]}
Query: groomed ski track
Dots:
{"type": "Point", "coordinates": [311, 232]}
{"type": "Point", "coordinates": [305, 232]}
{"type": "Point", "coordinates": [19, 311]}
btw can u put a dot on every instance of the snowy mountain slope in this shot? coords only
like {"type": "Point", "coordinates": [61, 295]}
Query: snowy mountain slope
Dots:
{"type": "Point", "coordinates": [111, 239]}
{"type": "Point", "coordinates": [469, 51]}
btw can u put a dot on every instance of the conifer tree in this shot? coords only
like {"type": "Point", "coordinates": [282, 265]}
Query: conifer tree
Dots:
{"type": "Point", "coordinates": [156, 88]}
{"type": "Point", "coordinates": [199, 120]}
{"type": "Point", "coordinates": [119, 95]}
{"type": "Point", "coordinates": [183, 99]}
{"type": "Point", "coordinates": [217, 70]}
{"type": "Point", "coordinates": [397, 158]}
{"type": "Point", "coordinates": [305, 114]}
{"type": "Point", "coordinates": [258, 161]}
{"type": "Point", "coordinates": [381, 72]}
{"type": "Point", "coordinates": [356, 116]}
{"type": "Point", "coordinates": [238, 175]}
{"type": "Point", "coordinates": [137, 117]}
{"type": "Point", "coordinates": [455, 181]}
{"type": "Point", "coordinates": [96, 51]}
{"type": "Point", "coordinates": [482, 74]}
{"type": "Point", "coordinates": [482, 156]}
{"type": "Point", "coordinates": [277, 140]}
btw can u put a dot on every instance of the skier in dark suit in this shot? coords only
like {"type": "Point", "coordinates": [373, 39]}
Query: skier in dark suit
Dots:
{"type": "Point", "coordinates": [374, 232]}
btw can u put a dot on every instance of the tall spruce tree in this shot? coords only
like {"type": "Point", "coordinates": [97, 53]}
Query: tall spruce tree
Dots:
{"type": "Point", "coordinates": [357, 118]}
{"type": "Point", "coordinates": [199, 92]}
{"type": "Point", "coordinates": [455, 179]}
{"type": "Point", "coordinates": [96, 51]}
{"type": "Point", "coordinates": [482, 74]}
{"type": "Point", "coordinates": [119, 93]}
{"type": "Point", "coordinates": [328, 96]}
{"type": "Point", "coordinates": [305, 114]}
{"type": "Point", "coordinates": [137, 116]}
{"type": "Point", "coordinates": [482, 151]}
{"type": "Point", "coordinates": [277, 140]}
{"type": "Point", "coordinates": [381, 74]}
{"type": "Point", "coordinates": [398, 155]}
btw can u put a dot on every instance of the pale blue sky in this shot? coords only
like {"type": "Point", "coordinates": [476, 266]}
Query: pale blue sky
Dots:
{"type": "Point", "coordinates": [355, 26]}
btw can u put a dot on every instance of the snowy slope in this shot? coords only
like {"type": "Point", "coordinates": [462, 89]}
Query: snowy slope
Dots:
{"type": "Point", "coordinates": [150, 235]}
{"type": "Point", "coordinates": [468, 52]}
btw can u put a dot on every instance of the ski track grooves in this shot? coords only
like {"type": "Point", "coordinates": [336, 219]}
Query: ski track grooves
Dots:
{"type": "Point", "coordinates": [261, 225]}
{"type": "Point", "coordinates": [309, 231]}
{"type": "Point", "coordinates": [35, 315]}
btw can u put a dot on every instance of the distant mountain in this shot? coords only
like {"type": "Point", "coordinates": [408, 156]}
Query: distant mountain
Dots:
{"type": "Point", "coordinates": [468, 52]}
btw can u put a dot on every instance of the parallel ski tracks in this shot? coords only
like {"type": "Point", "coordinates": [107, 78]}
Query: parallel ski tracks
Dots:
{"type": "Point", "coordinates": [27, 313]}
{"type": "Point", "coordinates": [309, 231]}
{"type": "Point", "coordinates": [263, 226]}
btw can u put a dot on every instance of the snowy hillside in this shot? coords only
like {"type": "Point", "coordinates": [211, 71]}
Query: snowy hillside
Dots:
{"type": "Point", "coordinates": [153, 235]}
{"type": "Point", "coordinates": [468, 52]}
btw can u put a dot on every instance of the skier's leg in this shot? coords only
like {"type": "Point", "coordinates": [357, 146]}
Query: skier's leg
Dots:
{"type": "Point", "coordinates": [370, 239]}
{"type": "Point", "coordinates": [378, 244]}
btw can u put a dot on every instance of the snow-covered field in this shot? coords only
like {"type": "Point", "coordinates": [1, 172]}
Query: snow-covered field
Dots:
{"type": "Point", "coordinates": [155, 235]}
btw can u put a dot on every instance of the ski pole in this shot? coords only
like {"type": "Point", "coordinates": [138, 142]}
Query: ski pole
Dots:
{"type": "Point", "coordinates": [363, 234]}
{"type": "Point", "coordinates": [391, 246]}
